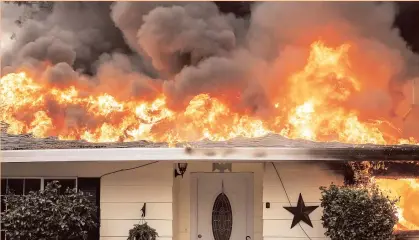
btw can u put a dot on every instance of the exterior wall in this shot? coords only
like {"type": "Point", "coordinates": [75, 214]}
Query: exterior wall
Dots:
{"type": "Point", "coordinates": [122, 194]}
{"type": "Point", "coordinates": [182, 203]}
{"type": "Point", "coordinates": [297, 177]}
{"type": "Point", "coordinates": [168, 199]}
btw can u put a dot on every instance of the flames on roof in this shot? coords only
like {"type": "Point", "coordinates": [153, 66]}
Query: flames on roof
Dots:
{"type": "Point", "coordinates": [315, 109]}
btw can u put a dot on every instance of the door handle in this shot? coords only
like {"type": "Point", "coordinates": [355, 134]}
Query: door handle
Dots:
{"type": "Point", "coordinates": [248, 238]}
{"type": "Point", "coordinates": [199, 236]}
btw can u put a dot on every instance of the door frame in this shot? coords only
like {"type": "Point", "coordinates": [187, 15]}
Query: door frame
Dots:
{"type": "Point", "coordinates": [194, 176]}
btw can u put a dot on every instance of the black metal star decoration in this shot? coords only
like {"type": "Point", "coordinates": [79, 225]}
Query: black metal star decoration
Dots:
{"type": "Point", "coordinates": [301, 212]}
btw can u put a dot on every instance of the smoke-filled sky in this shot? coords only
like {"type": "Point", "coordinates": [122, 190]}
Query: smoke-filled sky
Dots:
{"type": "Point", "coordinates": [137, 50]}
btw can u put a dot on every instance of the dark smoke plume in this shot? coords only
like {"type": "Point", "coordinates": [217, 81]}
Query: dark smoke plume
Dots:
{"type": "Point", "coordinates": [76, 33]}
{"type": "Point", "coordinates": [137, 50]}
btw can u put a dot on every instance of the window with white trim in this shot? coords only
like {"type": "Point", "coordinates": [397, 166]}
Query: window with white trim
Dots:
{"type": "Point", "coordinates": [22, 186]}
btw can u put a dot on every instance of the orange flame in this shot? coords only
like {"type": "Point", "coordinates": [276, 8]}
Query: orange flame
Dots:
{"type": "Point", "coordinates": [408, 206]}
{"type": "Point", "coordinates": [314, 109]}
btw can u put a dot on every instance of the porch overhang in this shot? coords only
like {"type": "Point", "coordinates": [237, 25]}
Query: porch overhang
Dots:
{"type": "Point", "coordinates": [242, 154]}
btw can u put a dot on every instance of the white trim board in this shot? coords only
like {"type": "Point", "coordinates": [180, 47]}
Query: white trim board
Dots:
{"type": "Point", "coordinates": [157, 154]}
{"type": "Point", "coordinates": [251, 154]}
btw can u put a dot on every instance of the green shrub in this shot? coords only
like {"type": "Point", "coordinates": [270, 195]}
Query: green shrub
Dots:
{"type": "Point", "coordinates": [357, 213]}
{"type": "Point", "coordinates": [142, 232]}
{"type": "Point", "coordinates": [49, 215]}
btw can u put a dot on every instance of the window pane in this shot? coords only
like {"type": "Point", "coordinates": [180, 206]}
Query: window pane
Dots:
{"type": "Point", "coordinates": [65, 183]}
{"type": "Point", "coordinates": [3, 186]}
{"type": "Point", "coordinates": [3, 208]}
{"type": "Point", "coordinates": [222, 218]}
{"type": "Point", "coordinates": [32, 185]}
{"type": "Point", "coordinates": [92, 186]}
{"type": "Point", "coordinates": [15, 186]}
{"type": "Point", "coordinates": [3, 204]}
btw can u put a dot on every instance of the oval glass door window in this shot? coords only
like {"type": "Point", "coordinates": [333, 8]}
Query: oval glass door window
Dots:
{"type": "Point", "coordinates": [222, 218]}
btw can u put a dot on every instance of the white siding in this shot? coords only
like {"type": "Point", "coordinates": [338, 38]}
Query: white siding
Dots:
{"type": "Point", "coordinates": [122, 194]}
{"type": "Point", "coordinates": [168, 200]}
{"type": "Point", "coordinates": [129, 211]}
{"type": "Point", "coordinates": [297, 177]}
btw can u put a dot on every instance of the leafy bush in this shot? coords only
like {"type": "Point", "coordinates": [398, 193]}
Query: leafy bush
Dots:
{"type": "Point", "coordinates": [49, 215]}
{"type": "Point", "coordinates": [142, 232]}
{"type": "Point", "coordinates": [357, 213]}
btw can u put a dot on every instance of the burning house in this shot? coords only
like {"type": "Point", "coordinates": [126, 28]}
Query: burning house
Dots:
{"type": "Point", "coordinates": [164, 106]}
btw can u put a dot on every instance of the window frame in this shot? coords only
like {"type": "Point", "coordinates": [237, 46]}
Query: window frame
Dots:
{"type": "Point", "coordinates": [43, 180]}
{"type": "Point", "coordinates": [58, 178]}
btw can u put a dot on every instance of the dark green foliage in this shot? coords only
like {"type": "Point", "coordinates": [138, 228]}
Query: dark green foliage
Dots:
{"type": "Point", "coordinates": [142, 232]}
{"type": "Point", "coordinates": [357, 213]}
{"type": "Point", "coordinates": [49, 215]}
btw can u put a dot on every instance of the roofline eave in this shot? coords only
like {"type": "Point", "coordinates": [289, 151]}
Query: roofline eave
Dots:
{"type": "Point", "coordinates": [243, 154]}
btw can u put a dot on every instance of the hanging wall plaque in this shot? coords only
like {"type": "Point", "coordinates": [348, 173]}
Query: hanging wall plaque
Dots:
{"type": "Point", "coordinates": [221, 167]}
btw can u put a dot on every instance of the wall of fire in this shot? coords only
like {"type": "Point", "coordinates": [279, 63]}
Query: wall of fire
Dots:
{"type": "Point", "coordinates": [401, 180]}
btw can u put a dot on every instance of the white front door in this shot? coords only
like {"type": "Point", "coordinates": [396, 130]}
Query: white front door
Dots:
{"type": "Point", "coordinates": [222, 206]}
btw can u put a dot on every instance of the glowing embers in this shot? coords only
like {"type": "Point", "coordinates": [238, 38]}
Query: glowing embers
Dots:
{"type": "Point", "coordinates": [222, 218]}
{"type": "Point", "coordinates": [408, 206]}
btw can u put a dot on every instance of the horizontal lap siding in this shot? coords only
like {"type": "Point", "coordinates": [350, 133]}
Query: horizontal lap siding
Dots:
{"type": "Point", "coordinates": [123, 195]}
{"type": "Point", "coordinates": [304, 178]}
{"type": "Point", "coordinates": [120, 228]}
{"type": "Point", "coordinates": [135, 194]}
{"type": "Point", "coordinates": [129, 211]}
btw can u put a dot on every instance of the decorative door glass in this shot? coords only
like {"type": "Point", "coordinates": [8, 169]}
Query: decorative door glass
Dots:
{"type": "Point", "coordinates": [222, 218]}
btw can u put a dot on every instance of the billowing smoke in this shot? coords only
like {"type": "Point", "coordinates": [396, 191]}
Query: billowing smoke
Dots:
{"type": "Point", "coordinates": [280, 32]}
{"type": "Point", "coordinates": [76, 33]}
{"type": "Point", "coordinates": [183, 35]}
{"type": "Point", "coordinates": [138, 50]}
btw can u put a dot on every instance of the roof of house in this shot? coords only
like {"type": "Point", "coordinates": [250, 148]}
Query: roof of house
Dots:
{"type": "Point", "coordinates": [28, 142]}
{"type": "Point", "coordinates": [25, 147]}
